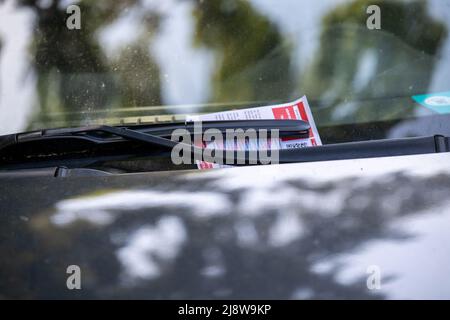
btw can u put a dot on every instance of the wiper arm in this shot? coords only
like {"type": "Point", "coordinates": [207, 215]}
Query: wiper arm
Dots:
{"type": "Point", "coordinates": [158, 134]}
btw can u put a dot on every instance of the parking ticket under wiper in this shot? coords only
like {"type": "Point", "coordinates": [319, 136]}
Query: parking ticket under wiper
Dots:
{"type": "Point", "coordinates": [296, 110]}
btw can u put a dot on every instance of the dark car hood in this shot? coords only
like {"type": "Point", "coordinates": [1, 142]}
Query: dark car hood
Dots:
{"type": "Point", "coordinates": [287, 231]}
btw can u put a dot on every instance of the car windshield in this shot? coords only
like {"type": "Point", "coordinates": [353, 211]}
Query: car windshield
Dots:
{"type": "Point", "coordinates": [369, 68]}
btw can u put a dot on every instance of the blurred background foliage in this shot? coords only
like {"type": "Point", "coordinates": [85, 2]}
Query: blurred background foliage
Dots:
{"type": "Point", "coordinates": [353, 72]}
{"type": "Point", "coordinates": [358, 73]}
{"type": "Point", "coordinates": [253, 58]}
{"type": "Point", "coordinates": [74, 74]}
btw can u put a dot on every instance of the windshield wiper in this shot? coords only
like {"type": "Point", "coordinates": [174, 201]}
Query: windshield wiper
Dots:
{"type": "Point", "coordinates": [157, 136]}
{"type": "Point", "coordinates": [87, 141]}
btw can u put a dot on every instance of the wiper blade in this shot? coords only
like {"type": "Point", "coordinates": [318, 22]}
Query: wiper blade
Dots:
{"type": "Point", "coordinates": [351, 150]}
{"type": "Point", "coordinates": [158, 134]}
{"type": "Point", "coordinates": [368, 149]}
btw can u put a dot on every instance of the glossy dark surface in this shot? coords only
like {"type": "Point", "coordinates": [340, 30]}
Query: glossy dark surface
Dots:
{"type": "Point", "coordinates": [290, 231]}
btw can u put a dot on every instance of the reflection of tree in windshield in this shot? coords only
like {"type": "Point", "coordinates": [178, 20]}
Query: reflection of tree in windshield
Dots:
{"type": "Point", "coordinates": [75, 74]}
{"type": "Point", "coordinates": [76, 71]}
{"type": "Point", "coordinates": [354, 63]}
{"type": "Point", "coordinates": [254, 61]}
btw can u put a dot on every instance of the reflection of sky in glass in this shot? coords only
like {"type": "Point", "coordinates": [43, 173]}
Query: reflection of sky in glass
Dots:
{"type": "Point", "coordinates": [301, 21]}
{"type": "Point", "coordinates": [184, 69]}
{"type": "Point", "coordinates": [17, 83]}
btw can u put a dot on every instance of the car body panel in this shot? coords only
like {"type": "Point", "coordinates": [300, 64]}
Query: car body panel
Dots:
{"type": "Point", "coordinates": [298, 231]}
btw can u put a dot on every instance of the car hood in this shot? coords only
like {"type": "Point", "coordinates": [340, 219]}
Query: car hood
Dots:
{"type": "Point", "coordinates": [373, 228]}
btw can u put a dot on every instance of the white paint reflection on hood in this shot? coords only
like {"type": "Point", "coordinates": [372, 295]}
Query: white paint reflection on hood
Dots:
{"type": "Point", "coordinates": [284, 198]}
{"type": "Point", "coordinates": [149, 247]}
{"type": "Point", "coordinates": [404, 275]}
{"type": "Point", "coordinates": [286, 229]}
{"type": "Point", "coordinates": [246, 233]}
{"type": "Point", "coordinates": [324, 171]}
{"type": "Point", "coordinates": [103, 209]}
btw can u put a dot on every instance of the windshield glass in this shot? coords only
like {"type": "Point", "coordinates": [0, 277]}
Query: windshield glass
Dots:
{"type": "Point", "coordinates": [369, 68]}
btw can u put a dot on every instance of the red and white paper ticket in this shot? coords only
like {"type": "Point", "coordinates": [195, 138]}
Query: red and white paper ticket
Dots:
{"type": "Point", "coordinates": [296, 110]}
